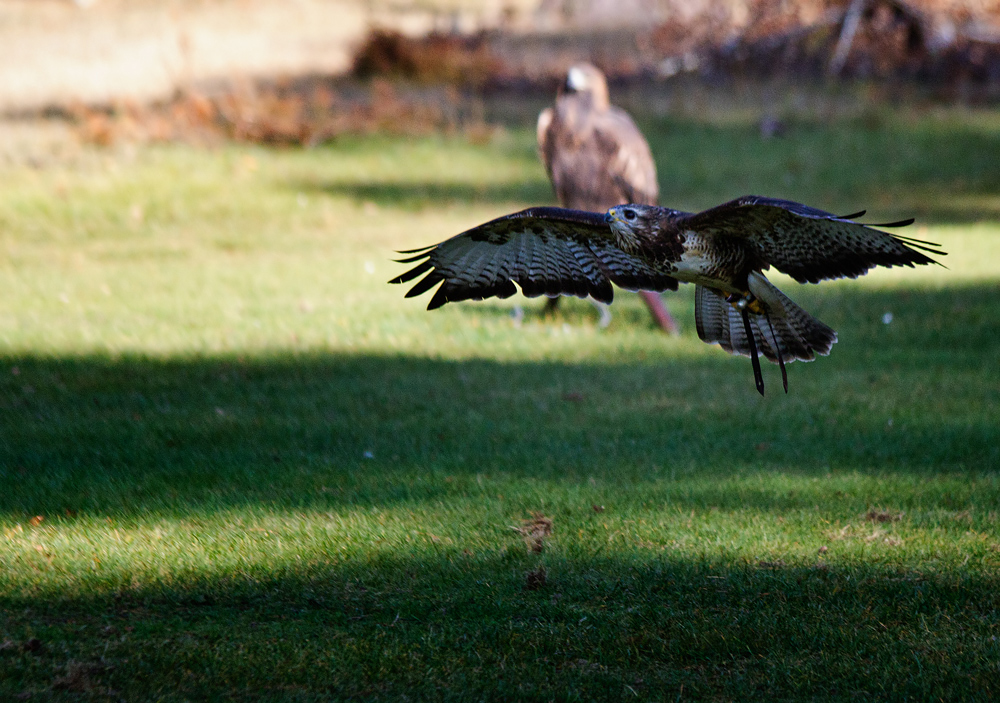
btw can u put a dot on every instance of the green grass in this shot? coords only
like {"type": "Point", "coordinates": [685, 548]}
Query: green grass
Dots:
{"type": "Point", "coordinates": [236, 465]}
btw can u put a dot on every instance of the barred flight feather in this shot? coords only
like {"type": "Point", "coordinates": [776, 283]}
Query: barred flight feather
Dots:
{"type": "Point", "coordinates": [554, 251]}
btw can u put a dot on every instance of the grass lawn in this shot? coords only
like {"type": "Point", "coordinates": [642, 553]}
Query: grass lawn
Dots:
{"type": "Point", "coordinates": [236, 465]}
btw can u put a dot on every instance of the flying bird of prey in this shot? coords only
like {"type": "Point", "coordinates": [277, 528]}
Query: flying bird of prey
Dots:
{"type": "Point", "coordinates": [723, 250]}
{"type": "Point", "coordinates": [597, 158]}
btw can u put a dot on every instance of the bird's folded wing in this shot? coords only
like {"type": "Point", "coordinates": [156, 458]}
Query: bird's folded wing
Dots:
{"type": "Point", "coordinates": [809, 244]}
{"type": "Point", "coordinates": [627, 158]}
{"type": "Point", "coordinates": [545, 251]}
{"type": "Point", "coordinates": [542, 135]}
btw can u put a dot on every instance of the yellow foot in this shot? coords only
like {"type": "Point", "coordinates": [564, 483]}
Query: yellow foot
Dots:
{"type": "Point", "coordinates": [747, 302]}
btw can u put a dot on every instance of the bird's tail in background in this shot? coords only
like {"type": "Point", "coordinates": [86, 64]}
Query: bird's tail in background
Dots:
{"type": "Point", "coordinates": [785, 333]}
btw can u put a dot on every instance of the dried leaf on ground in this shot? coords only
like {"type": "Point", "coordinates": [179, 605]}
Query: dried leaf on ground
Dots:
{"type": "Point", "coordinates": [875, 515]}
{"type": "Point", "coordinates": [535, 529]}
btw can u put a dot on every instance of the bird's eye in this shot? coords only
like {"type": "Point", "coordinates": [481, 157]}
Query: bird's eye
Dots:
{"type": "Point", "coordinates": [629, 214]}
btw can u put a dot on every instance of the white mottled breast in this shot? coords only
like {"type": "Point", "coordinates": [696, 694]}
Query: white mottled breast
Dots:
{"type": "Point", "coordinates": [700, 264]}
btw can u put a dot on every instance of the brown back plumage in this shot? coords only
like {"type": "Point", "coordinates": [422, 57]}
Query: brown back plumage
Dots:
{"type": "Point", "coordinates": [595, 156]}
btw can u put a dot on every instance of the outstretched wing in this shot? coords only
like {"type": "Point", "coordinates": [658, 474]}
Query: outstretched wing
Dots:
{"type": "Point", "coordinates": [809, 244]}
{"type": "Point", "coordinates": [544, 250]}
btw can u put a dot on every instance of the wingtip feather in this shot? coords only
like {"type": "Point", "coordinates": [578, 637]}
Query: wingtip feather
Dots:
{"type": "Point", "coordinates": [417, 250]}
{"type": "Point", "coordinates": [425, 284]}
{"type": "Point", "coordinates": [901, 223]}
{"type": "Point", "coordinates": [853, 215]}
{"type": "Point", "coordinates": [407, 276]}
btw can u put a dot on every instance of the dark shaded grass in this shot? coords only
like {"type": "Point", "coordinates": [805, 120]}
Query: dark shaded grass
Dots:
{"type": "Point", "coordinates": [918, 395]}
{"type": "Point", "coordinates": [132, 439]}
{"type": "Point", "coordinates": [463, 627]}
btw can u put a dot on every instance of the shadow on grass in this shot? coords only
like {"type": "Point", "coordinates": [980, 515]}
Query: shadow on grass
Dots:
{"type": "Point", "coordinates": [459, 625]}
{"type": "Point", "coordinates": [918, 396]}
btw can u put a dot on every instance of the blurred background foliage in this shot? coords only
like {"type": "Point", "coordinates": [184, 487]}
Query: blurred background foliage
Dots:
{"type": "Point", "coordinates": [257, 71]}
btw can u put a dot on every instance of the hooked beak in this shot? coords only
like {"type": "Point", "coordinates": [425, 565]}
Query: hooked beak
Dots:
{"type": "Point", "coordinates": [610, 216]}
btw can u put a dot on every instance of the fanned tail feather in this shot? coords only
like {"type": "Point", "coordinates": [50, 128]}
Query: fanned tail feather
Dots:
{"type": "Point", "coordinates": [787, 333]}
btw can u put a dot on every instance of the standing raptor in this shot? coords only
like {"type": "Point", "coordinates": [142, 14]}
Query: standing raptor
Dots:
{"type": "Point", "coordinates": [724, 251]}
{"type": "Point", "coordinates": [597, 158]}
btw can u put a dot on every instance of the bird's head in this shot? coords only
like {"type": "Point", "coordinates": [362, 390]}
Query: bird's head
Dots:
{"type": "Point", "coordinates": [632, 224]}
{"type": "Point", "coordinates": [587, 80]}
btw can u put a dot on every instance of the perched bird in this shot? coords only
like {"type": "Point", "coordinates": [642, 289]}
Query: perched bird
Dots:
{"type": "Point", "coordinates": [723, 250]}
{"type": "Point", "coordinates": [597, 158]}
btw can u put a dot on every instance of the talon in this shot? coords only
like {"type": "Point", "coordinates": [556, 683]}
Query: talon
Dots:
{"type": "Point", "coordinates": [758, 377]}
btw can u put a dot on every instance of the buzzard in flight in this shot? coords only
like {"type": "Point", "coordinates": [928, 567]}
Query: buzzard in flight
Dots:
{"type": "Point", "coordinates": [723, 250]}
{"type": "Point", "coordinates": [597, 158]}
